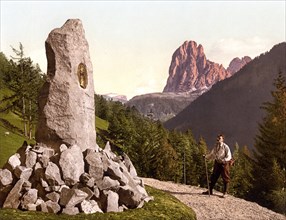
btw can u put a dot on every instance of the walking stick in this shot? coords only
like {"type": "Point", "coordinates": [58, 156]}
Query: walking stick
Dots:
{"type": "Point", "coordinates": [207, 176]}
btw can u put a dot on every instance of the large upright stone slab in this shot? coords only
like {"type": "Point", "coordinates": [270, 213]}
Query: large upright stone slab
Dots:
{"type": "Point", "coordinates": [66, 102]}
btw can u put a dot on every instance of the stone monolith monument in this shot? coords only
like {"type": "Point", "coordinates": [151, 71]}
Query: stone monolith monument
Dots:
{"type": "Point", "coordinates": [66, 171]}
{"type": "Point", "coordinates": [66, 102]}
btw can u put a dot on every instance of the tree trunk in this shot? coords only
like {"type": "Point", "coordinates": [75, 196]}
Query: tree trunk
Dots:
{"type": "Point", "coordinates": [185, 179]}
{"type": "Point", "coordinates": [24, 117]}
{"type": "Point", "coordinates": [30, 120]}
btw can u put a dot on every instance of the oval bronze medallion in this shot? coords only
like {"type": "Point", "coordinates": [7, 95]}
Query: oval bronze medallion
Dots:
{"type": "Point", "coordinates": [82, 75]}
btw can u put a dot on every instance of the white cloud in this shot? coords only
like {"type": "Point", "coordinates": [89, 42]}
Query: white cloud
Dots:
{"type": "Point", "coordinates": [224, 50]}
{"type": "Point", "coordinates": [149, 82]}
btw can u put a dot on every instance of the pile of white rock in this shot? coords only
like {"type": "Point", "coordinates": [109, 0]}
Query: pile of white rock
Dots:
{"type": "Point", "coordinates": [71, 181]}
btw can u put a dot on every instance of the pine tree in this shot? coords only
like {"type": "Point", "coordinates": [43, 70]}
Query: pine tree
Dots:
{"type": "Point", "coordinates": [270, 148]}
{"type": "Point", "coordinates": [241, 173]}
{"type": "Point", "coordinates": [195, 165]}
{"type": "Point", "coordinates": [5, 67]}
{"type": "Point", "coordinates": [179, 144]}
{"type": "Point", "coordinates": [24, 79]}
{"type": "Point", "coordinates": [201, 169]}
{"type": "Point", "coordinates": [165, 164]}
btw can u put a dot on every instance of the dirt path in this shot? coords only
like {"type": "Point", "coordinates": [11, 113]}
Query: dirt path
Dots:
{"type": "Point", "coordinates": [215, 207]}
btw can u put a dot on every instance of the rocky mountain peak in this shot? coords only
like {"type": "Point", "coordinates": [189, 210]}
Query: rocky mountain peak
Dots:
{"type": "Point", "coordinates": [236, 64]}
{"type": "Point", "coordinates": [190, 70]}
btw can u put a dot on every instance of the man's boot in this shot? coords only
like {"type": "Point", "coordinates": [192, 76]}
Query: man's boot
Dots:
{"type": "Point", "coordinates": [225, 189]}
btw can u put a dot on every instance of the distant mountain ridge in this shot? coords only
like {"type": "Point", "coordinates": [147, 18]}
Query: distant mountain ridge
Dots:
{"type": "Point", "coordinates": [232, 106]}
{"type": "Point", "coordinates": [236, 64]}
{"type": "Point", "coordinates": [162, 106]}
{"type": "Point", "coordinates": [115, 97]}
{"type": "Point", "coordinates": [190, 75]}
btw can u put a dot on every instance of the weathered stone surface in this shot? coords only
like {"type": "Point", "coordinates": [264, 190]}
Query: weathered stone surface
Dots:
{"type": "Point", "coordinates": [52, 188]}
{"type": "Point", "coordinates": [96, 192]}
{"type": "Point", "coordinates": [4, 191]}
{"type": "Point", "coordinates": [14, 161]}
{"type": "Point", "coordinates": [23, 172]}
{"type": "Point", "coordinates": [31, 159]}
{"type": "Point", "coordinates": [72, 165]}
{"type": "Point", "coordinates": [44, 160]}
{"type": "Point", "coordinates": [32, 207]}
{"type": "Point", "coordinates": [128, 196]}
{"type": "Point", "coordinates": [72, 197]}
{"type": "Point", "coordinates": [53, 207]}
{"type": "Point", "coordinates": [105, 162]}
{"type": "Point", "coordinates": [13, 199]}
{"type": "Point", "coordinates": [148, 198]}
{"type": "Point", "coordinates": [122, 208]}
{"type": "Point", "coordinates": [127, 175]}
{"type": "Point", "coordinates": [89, 192]}
{"type": "Point", "coordinates": [63, 147]}
{"type": "Point", "coordinates": [66, 102]}
{"type": "Point", "coordinates": [53, 175]}
{"type": "Point", "coordinates": [70, 210]}
{"type": "Point", "coordinates": [107, 183]}
{"type": "Point", "coordinates": [44, 183]}
{"type": "Point", "coordinates": [114, 171]}
{"type": "Point", "coordinates": [129, 165]}
{"type": "Point", "coordinates": [142, 190]}
{"type": "Point", "coordinates": [5, 177]}
{"type": "Point", "coordinates": [94, 164]}
{"type": "Point", "coordinates": [27, 185]}
{"type": "Point", "coordinates": [41, 205]}
{"type": "Point", "coordinates": [53, 196]}
{"type": "Point", "coordinates": [30, 197]}
{"type": "Point", "coordinates": [87, 180]}
{"type": "Point", "coordinates": [48, 152]}
{"type": "Point", "coordinates": [89, 207]}
{"type": "Point", "coordinates": [108, 152]}
{"type": "Point", "coordinates": [112, 202]}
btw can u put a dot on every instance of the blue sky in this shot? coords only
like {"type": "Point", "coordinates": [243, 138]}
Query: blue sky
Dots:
{"type": "Point", "coordinates": [131, 42]}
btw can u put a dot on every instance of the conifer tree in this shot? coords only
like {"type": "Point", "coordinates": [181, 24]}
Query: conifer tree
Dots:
{"type": "Point", "coordinates": [5, 67]}
{"type": "Point", "coordinates": [201, 169]}
{"type": "Point", "coordinates": [24, 79]}
{"type": "Point", "coordinates": [241, 173]}
{"type": "Point", "coordinates": [270, 151]}
{"type": "Point", "coordinates": [180, 145]}
{"type": "Point", "coordinates": [196, 169]}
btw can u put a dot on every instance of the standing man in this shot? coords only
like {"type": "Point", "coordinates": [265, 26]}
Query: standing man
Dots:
{"type": "Point", "coordinates": [221, 155]}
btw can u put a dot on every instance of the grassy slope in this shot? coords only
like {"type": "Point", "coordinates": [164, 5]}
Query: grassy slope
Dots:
{"type": "Point", "coordinates": [164, 206]}
{"type": "Point", "coordinates": [9, 143]}
{"type": "Point", "coordinates": [101, 124]}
